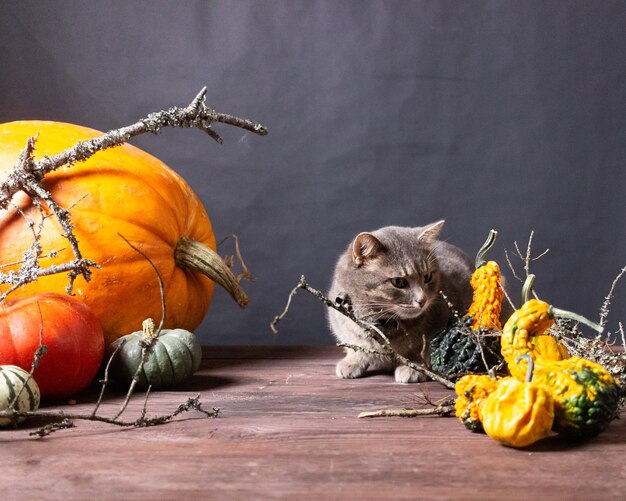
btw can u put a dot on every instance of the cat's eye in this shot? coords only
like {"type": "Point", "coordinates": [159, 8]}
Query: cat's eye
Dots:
{"type": "Point", "coordinates": [428, 277]}
{"type": "Point", "coordinates": [400, 282]}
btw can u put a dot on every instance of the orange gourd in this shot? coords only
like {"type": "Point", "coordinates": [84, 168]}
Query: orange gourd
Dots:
{"type": "Point", "coordinates": [70, 332]}
{"type": "Point", "coordinates": [488, 293]}
{"type": "Point", "coordinates": [471, 391]}
{"type": "Point", "coordinates": [122, 190]}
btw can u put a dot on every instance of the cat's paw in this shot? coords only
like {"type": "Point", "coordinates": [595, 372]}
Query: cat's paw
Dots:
{"type": "Point", "coordinates": [350, 368]}
{"type": "Point", "coordinates": [404, 374]}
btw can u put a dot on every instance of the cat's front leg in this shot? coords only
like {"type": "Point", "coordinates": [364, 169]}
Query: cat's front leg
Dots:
{"type": "Point", "coordinates": [405, 374]}
{"type": "Point", "coordinates": [353, 365]}
{"type": "Point", "coordinates": [356, 364]}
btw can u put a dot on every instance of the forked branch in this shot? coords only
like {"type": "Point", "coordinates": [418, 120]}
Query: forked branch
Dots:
{"type": "Point", "coordinates": [28, 174]}
{"type": "Point", "coordinates": [370, 330]}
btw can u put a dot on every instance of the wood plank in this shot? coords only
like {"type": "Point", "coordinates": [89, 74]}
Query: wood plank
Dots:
{"type": "Point", "coordinates": [287, 429]}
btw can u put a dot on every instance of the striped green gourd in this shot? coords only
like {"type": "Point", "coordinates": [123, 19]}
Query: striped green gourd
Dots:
{"type": "Point", "coordinates": [175, 354]}
{"type": "Point", "coordinates": [16, 382]}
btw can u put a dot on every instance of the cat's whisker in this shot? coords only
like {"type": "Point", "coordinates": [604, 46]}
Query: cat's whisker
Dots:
{"type": "Point", "coordinates": [430, 257]}
{"type": "Point", "coordinates": [380, 314]}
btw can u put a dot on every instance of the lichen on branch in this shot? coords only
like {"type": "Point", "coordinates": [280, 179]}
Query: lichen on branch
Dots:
{"type": "Point", "coordinates": [28, 174]}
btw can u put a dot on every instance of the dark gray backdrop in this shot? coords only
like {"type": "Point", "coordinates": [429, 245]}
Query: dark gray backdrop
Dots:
{"type": "Point", "coordinates": [497, 114]}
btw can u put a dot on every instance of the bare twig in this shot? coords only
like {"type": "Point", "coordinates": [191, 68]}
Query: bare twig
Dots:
{"type": "Point", "coordinates": [192, 403]}
{"type": "Point", "coordinates": [105, 381]}
{"type": "Point", "coordinates": [230, 260]}
{"type": "Point", "coordinates": [527, 258]}
{"type": "Point", "coordinates": [40, 352]}
{"type": "Point", "coordinates": [370, 330]}
{"type": "Point", "coordinates": [506, 295]}
{"type": "Point", "coordinates": [146, 352]}
{"type": "Point", "coordinates": [158, 275]}
{"type": "Point", "coordinates": [150, 335]}
{"type": "Point", "coordinates": [440, 410]}
{"type": "Point", "coordinates": [445, 407]}
{"type": "Point", "coordinates": [196, 115]}
{"type": "Point", "coordinates": [28, 174]}
{"type": "Point", "coordinates": [604, 310]}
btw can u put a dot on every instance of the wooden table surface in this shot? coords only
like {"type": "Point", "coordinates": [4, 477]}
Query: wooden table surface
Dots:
{"type": "Point", "coordinates": [288, 429]}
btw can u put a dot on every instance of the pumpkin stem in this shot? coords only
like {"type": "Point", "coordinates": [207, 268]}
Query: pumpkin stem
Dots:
{"type": "Point", "coordinates": [527, 288]}
{"type": "Point", "coordinates": [480, 255]}
{"type": "Point", "coordinates": [557, 312]}
{"type": "Point", "coordinates": [531, 365]}
{"type": "Point", "coordinates": [149, 331]}
{"type": "Point", "coordinates": [196, 256]}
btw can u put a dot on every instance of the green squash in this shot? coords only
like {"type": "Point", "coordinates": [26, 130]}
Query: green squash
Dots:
{"type": "Point", "coordinates": [455, 352]}
{"type": "Point", "coordinates": [175, 355]}
{"type": "Point", "coordinates": [13, 381]}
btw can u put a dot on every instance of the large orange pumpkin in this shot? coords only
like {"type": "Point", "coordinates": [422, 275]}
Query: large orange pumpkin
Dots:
{"type": "Point", "coordinates": [122, 190]}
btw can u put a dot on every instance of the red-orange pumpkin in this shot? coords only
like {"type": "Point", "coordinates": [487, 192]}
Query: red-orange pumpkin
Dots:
{"type": "Point", "coordinates": [70, 331]}
{"type": "Point", "coordinates": [121, 190]}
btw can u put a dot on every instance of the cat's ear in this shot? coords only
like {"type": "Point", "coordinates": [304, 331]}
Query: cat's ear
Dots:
{"type": "Point", "coordinates": [430, 233]}
{"type": "Point", "coordinates": [365, 246]}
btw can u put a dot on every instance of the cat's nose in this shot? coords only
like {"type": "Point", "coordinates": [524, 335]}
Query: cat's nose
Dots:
{"type": "Point", "coordinates": [421, 302]}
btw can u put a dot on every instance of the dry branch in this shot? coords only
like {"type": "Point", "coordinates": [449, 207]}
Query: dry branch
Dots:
{"type": "Point", "coordinates": [66, 419]}
{"type": "Point", "coordinates": [370, 330]}
{"type": "Point", "coordinates": [28, 174]}
{"type": "Point", "coordinates": [527, 258]}
{"type": "Point", "coordinates": [440, 410]}
{"type": "Point", "coordinates": [604, 309]}
{"type": "Point", "coordinates": [196, 115]}
{"type": "Point", "coordinates": [443, 408]}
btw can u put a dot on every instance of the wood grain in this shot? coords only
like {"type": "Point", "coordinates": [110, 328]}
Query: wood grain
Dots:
{"type": "Point", "coordinates": [288, 429]}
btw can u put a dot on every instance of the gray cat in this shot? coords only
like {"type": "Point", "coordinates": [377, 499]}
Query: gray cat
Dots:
{"type": "Point", "coordinates": [393, 277]}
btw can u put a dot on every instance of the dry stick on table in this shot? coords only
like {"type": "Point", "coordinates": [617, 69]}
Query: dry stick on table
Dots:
{"type": "Point", "coordinates": [192, 403]}
{"type": "Point", "coordinates": [27, 176]}
{"type": "Point", "coordinates": [439, 410]}
{"type": "Point", "coordinates": [105, 380]}
{"type": "Point", "coordinates": [66, 419]}
{"type": "Point", "coordinates": [371, 330]}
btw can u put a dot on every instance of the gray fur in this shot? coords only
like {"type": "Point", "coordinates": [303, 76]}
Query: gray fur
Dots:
{"type": "Point", "coordinates": [410, 314]}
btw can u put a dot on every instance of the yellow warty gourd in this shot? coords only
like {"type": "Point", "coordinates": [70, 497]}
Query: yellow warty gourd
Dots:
{"type": "Point", "coordinates": [585, 394]}
{"type": "Point", "coordinates": [471, 390]}
{"type": "Point", "coordinates": [517, 413]}
{"type": "Point", "coordinates": [488, 294]}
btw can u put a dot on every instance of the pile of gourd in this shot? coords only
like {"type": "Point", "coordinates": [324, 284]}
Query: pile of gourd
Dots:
{"type": "Point", "coordinates": [118, 192]}
{"type": "Point", "coordinates": [470, 343]}
{"type": "Point", "coordinates": [547, 390]}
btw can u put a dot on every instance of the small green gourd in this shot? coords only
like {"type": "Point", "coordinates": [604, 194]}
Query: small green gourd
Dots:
{"type": "Point", "coordinates": [18, 391]}
{"type": "Point", "coordinates": [175, 354]}
{"type": "Point", "coordinates": [455, 351]}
